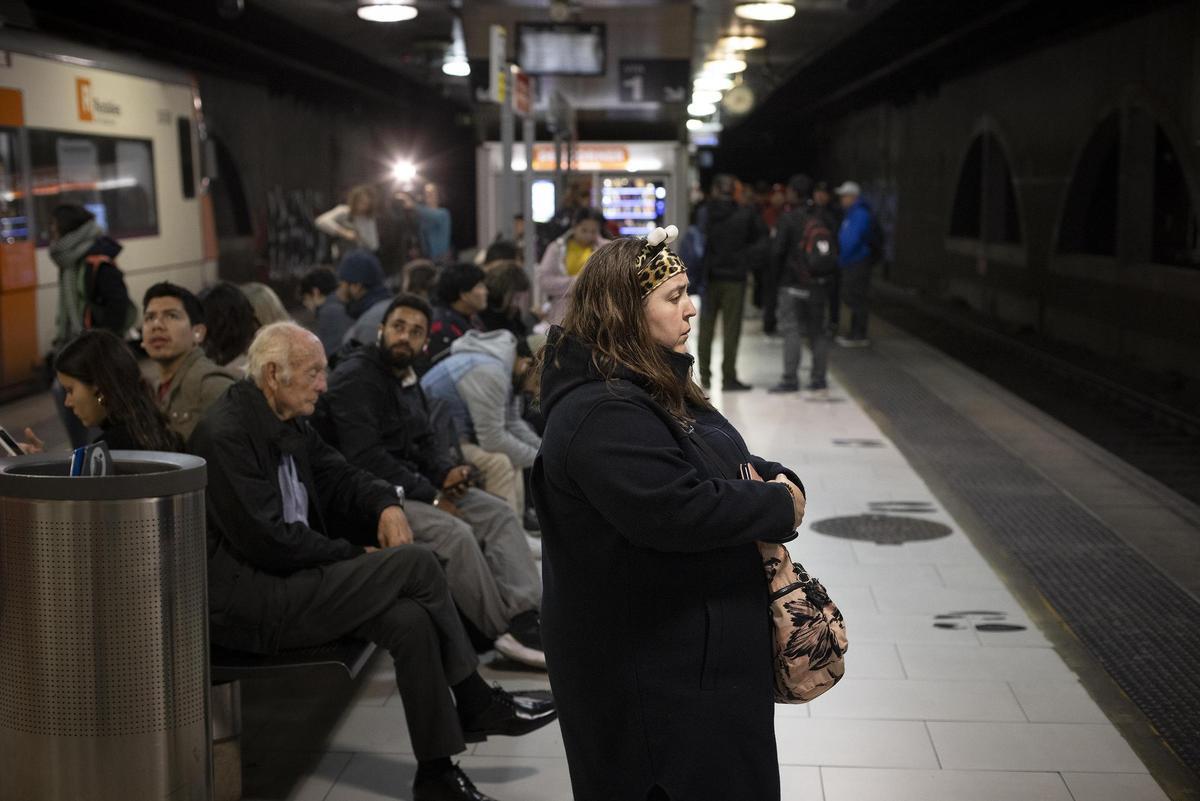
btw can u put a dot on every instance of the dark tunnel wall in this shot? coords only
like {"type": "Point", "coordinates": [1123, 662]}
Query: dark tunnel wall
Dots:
{"type": "Point", "coordinates": [283, 157]}
{"type": "Point", "coordinates": [1100, 136]}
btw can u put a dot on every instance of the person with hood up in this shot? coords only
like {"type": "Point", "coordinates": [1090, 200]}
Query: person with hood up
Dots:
{"type": "Point", "coordinates": [479, 382]}
{"type": "Point", "coordinates": [654, 614]}
{"type": "Point", "coordinates": [731, 232]}
{"type": "Point", "coordinates": [363, 293]}
{"type": "Point", "coordinates": [91, 289]}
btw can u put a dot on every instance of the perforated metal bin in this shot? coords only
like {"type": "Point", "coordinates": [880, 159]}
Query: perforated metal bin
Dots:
{"type": "Point", "coordinates": [104, 631]}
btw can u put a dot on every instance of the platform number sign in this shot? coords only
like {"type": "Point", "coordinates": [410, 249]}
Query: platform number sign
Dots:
{"type": "Point", "coordinates": [654, 80]}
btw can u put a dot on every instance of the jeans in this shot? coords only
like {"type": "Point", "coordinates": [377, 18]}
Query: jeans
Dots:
{"type": "Point", "coordinates": [724, 299]}
{"type": "Point", "coordinates": [802, 314]}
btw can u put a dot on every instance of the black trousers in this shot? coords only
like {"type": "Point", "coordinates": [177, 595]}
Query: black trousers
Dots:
{"type": "Point", "coordinates": [856, 284]}
{"type": "Point", "coordinates": [398, 599]}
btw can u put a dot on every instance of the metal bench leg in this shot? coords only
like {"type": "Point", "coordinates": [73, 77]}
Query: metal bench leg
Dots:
{"type": "Point", "coordinates": [226, 709]}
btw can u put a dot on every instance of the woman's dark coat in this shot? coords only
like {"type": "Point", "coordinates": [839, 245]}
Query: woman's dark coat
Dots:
{"type": "Point", "coordinates": [655, 612]}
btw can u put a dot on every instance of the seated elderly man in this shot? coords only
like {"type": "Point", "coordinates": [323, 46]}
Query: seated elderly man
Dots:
{"type": "Point", "coordinates": [376, 414]}
{"type": "Point", "coordinates": [478, 382]}
{"type": "Point", "coordinates": [280, 578]}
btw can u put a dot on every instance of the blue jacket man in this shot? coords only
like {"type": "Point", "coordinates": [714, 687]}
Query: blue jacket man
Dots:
{"type": "Point", "coordinates": [856, 256]}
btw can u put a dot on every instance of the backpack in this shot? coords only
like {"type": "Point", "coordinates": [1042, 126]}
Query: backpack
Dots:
{"type": "Point", "coordinates": [816, 252]}
{"type": "Point", "coordinates": [115, 312]}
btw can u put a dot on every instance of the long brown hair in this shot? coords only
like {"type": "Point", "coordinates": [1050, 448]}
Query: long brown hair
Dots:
{"type": "Point", "coordinates": [606, 311]}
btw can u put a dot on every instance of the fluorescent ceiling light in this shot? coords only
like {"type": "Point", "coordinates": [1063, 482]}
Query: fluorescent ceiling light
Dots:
{"type": "Point", "coordinates": [738, 43]}
{"type": "Point", "coordinates": [694, 125]}
{"type": "Point", "coordinates": [386, 11]}
{"type": "Point", "coordinates": [706, 96]}
{"type": "Point", "coordinates": [725, 66]}
{"type": "Point", "coordinates": [765, 11]}
{"type": "Point", "coordinates": [701, 109]}
{"type": "Point", "coordinates": [712, 83]}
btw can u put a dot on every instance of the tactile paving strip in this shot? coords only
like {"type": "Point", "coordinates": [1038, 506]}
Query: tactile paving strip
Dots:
{"type": "Point", "coordinates": [1140, 626]}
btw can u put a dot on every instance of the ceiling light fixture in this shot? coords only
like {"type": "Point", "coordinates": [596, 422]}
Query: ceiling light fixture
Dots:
{"type": "Point", "coordinates": [456, 66]}
{"type": "Point", "coordinates": [386, 11]}
{"type": "Point", "coordinates": [456, 63]}
{"type": "Point", "coordinates": [740, 43]}
{"type": "Point", "coordinates": [706, 96]}
{"type": "Point", "coordinates": [728, 65]}
{"type": "Point", "coordinates": [701, 109]}
{"type": "Point", "coordinates": [766, 10]}
{"type": "Point", "coordinates": [712, 83]}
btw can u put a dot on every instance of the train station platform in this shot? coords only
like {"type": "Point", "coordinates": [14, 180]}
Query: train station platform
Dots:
{"type": "Point", "coordinates": [1021, 608]}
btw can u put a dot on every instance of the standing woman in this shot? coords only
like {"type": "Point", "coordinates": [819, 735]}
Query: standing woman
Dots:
{"type": "Point", "coordinates": [655, 609]}
{"type": "Point", "coordinates": [564, 259]}
{"type": "Point", "coordinates": [105, 389]}
{"type": "Point", "coordinates": [352, 224]}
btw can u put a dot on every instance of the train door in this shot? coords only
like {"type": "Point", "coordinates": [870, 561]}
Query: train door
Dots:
{"type": "Point", "coordinates": [18, 267]}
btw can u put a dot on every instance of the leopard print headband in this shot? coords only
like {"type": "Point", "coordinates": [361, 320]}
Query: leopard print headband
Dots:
{"type": "Point", "coordinates": [656, 264]}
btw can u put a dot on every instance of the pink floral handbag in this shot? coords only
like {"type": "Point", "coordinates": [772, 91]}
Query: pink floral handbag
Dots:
{"type": "Point", "coordinates": [810, 635]}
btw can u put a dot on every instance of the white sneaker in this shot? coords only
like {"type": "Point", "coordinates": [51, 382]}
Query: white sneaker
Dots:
{"type": "Point", "coordinates": [508, 646]}
{"type": "Point", "coordinates": [535, 545]}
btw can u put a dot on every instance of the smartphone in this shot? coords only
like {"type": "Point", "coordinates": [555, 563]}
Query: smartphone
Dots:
{"type": "Point", "coordinates": [8, 445]}
{"type": "Point", "coordinates": [77, 460]}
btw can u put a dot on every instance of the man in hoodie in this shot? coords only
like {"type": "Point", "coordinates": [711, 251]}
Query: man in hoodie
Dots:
{"type": "Point", "coordinates": [91, 289]}
{"type": "Point", "coordinates": [361, 290]}
{"type": "Point", "coordinates": [479, 382]}
{"type": "Point", "coordinates": [732, 231]}
{"type": "Point", "coordinates": [376, 414]}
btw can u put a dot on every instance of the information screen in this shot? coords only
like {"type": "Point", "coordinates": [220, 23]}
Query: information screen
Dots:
{"type": "Point", "coordinates": [633, 205]}
{"type": "Point", "coordinates": [561, 49]}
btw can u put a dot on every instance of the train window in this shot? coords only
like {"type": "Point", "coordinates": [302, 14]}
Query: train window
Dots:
{"type": "Point", "coordinates": [14, 211]}
{"type": "Point", "coordinates": [186, 162]}
{"type": "Point", "coordinates": [112, 177]}
{"type": "Point", "coordinates": [1089, 223]}
{"type": "Point", "coordinates": [1175, 224]}
{"type": "Point", "coordinates": [985, 203]}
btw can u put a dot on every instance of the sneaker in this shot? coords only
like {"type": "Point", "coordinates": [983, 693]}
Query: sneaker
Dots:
{"type": "Point", "coordinates": [733, 385]}
{"type": "Point", "coordinates": [847, 342]}
{"type": "Point", "coordinates": [784, 386]}
{"type": "Point", "coordinates": [534, 540]}
{"type": "Point", "coordinates": [510, 647]}
{"type": "Point", "coordinates": [510, 715]}
{"type": "Point", "coordinates": [453, 785]}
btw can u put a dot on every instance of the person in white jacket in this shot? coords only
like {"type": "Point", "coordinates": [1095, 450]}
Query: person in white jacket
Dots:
{"type": "Point", "coordinates": [565, 258]}
{"type": "Point", "coordinates": [480, 382]}
{"type": "Point", "coordinates": [352, 224]}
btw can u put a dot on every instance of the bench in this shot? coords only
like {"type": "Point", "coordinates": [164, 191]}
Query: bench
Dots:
{"type": "Point", "coordinates": [343, 658]}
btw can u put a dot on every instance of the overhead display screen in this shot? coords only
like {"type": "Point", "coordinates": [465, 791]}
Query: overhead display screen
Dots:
{"type": "Point", "coordinates": [561, 49]}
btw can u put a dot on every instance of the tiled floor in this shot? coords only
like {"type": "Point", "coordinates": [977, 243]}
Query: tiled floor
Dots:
{"type": "Point", "coordinates": [926, 713]}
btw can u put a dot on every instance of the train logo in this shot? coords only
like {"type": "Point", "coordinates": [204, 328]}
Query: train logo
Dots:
{"type": "Point", "coordinates": [88, 105]}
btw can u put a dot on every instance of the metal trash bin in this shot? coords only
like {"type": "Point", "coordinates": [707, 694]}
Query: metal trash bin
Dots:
{"type": "Point", "coordinates": [104, 631]}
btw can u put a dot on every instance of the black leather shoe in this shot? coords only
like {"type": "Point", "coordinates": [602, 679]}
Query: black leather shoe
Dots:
{"type": "Point", "coordinates": [511, 715]}
{"type": "Point", "coordinates": [453, 785]}
{"type": "Point", "coordinates": [735, 386]}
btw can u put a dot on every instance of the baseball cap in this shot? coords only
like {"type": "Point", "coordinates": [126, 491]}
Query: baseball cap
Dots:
{"type": "Point", "coordinates": [848, 188]}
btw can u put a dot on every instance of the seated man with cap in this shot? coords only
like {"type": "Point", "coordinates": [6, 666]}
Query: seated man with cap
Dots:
{"type": "Point", "coordinates": [282, 576]}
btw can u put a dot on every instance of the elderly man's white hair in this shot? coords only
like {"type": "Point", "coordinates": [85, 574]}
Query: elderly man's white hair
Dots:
{"type": "Point", "coordinates": [274, 344]}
